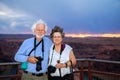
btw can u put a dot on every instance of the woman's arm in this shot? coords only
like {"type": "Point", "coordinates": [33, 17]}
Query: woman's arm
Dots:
{"type": "Point", "coordinates": [72, 59]}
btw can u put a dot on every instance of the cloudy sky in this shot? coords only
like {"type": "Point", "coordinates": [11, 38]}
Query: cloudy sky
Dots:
{"type": "Point", "coordinates": [75, 16]}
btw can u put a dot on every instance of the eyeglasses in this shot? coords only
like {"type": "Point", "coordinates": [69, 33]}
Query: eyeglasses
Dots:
{"type": "Point", "coordinates": [40, 30]}
{"type": "Point", "coordinates": [57, 36]}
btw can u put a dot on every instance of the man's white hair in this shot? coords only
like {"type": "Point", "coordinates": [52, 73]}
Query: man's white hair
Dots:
{"type": "Point", "coordinates": [39, 22]}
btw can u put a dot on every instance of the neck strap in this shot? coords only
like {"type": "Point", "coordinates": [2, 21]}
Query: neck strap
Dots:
{"type": "Point", "coordinates": [61, 50]}
{"type": "Point", "coordinates": [38, 44]}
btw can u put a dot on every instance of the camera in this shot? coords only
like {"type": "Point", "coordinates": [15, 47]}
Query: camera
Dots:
{"type": "Point", "coordinates": [51, 69]}
{"type": "Point", "coordinates": [38, 64]}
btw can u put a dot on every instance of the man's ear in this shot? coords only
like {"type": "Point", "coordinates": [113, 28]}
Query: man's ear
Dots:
{"type": "Point", "coordinates": [34, 31]}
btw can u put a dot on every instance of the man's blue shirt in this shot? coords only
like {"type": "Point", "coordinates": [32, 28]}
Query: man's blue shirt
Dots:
{"type": "Point", "coordinates": [27, 46]}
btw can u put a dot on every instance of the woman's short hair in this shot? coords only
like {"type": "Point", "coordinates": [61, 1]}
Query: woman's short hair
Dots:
{"type": "Point", "coordinates": [57, 29]}
{"type": "Point", "coordinates": [39, 22]}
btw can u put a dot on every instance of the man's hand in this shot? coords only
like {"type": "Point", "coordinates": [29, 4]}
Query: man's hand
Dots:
{"type": "Point", "coordinates": [32, 59]}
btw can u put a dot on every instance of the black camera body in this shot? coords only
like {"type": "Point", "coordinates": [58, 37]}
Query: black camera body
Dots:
{"type": "Point", "coordinates": [51, 69]}
{"type": "Point", "coordinates": [39, 64]}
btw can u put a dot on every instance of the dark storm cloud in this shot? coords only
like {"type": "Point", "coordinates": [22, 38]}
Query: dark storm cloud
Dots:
{"type": "Point", "coordinates": [75, 16]}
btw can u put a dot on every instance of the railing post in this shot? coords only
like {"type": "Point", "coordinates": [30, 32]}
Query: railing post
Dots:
{"type": "Point", "coordinates": [82, 71]}
{"type": "Point", "coordinates": [19, 72]}
{"type": "Point", "coordinates": [89, 70]}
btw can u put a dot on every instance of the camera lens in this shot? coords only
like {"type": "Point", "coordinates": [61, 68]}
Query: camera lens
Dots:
{"type": "Point", "coordinates": [38, 64]}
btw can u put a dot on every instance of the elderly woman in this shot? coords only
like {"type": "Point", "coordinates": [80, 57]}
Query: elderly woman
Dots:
{"type": "Point", "coordinates": [61, 56]}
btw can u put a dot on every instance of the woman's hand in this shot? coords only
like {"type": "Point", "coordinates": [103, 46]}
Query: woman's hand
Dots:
{"type": "Point", "coordinates": [60, 65]}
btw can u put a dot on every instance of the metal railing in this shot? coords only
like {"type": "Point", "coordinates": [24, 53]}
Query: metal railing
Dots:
{"type": "Point", "coordinates": [10, 75]}
{"type": "Point", "coordinates": [85, 68]}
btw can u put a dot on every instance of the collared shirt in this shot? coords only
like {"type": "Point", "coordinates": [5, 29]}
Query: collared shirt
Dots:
{"type": "Point", "coordinates": [64, 58]}
{"type": "Point", "coordinates": [27, 46]}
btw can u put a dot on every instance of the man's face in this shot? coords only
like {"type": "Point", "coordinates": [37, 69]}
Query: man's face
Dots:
{"type": "Point", "coordinates": [40, 30]}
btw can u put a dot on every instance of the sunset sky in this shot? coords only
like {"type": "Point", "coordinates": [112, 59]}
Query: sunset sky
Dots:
{"type": "Point", "coordinates": [88, 17]}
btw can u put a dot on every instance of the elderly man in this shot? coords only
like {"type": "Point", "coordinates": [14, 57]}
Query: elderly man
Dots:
{"type": "Point", "coordinates": [35, 52]}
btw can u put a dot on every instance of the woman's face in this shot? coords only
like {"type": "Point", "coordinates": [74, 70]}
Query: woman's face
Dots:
{"type": "Point", "coordinates": [57, 38]}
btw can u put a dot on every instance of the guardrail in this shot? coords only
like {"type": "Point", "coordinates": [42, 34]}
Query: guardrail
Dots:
{"type": "Point", "coordinates": [13, 74]}
{"type": "Point", "coordinates": [86, 67]}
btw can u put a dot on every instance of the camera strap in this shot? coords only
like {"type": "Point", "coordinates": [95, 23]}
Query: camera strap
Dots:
{"type": "Point", "coordinates": [36, 46]}
{"type": "Point", "coordinates": [71, 69]}
{"type": "Point", "coordinates": [61, 50]}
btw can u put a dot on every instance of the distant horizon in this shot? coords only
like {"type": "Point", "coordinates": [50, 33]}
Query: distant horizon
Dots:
{"type": "Point", "coordinates": [74, 35]}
